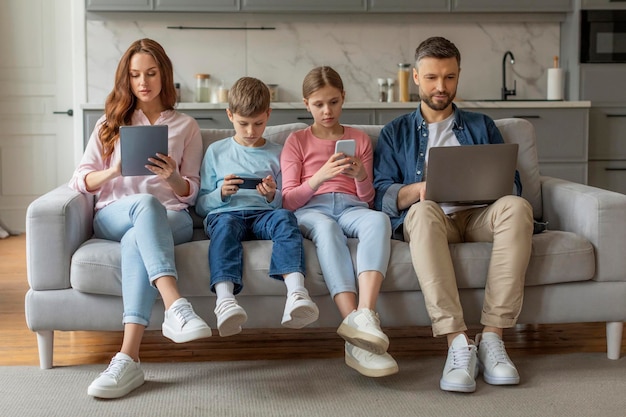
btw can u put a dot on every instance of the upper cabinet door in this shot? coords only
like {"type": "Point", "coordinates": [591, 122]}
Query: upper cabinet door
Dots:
{"type": "Point", "coordinates": [119, 5]}
{"type": "Point", "coordinates": [196, 5]}
{"type": "Point", "coordinates": [303, 5]}
{"type": "Point", "coordinates": [512, 6]}
{"type": "Point", "coordinates": [401, 6]}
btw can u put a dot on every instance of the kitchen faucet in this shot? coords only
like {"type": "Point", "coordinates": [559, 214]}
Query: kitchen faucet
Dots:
{"type": "Point", "coordinates": [506, 92]}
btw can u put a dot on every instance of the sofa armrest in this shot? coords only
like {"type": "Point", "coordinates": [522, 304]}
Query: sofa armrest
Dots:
{"type": "Point", "coordinates": [57, 223]}
{"type": "Point", "coordinates": [596, 214]}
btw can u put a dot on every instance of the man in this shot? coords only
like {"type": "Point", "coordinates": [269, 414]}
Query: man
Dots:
{"type": "Point", "coordinates": [400, 179]}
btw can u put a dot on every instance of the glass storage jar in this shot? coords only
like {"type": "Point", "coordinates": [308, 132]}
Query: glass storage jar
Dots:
{"type": "Point", "coordinates": [203, 93]}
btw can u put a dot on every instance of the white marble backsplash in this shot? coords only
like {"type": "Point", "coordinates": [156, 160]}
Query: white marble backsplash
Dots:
{"type": "Point", "coordinates": [360, 49]}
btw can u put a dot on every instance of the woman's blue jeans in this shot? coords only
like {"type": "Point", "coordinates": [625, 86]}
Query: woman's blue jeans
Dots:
{"type": "Point", "coordinates": [147, 233]}
{"type": "Point", "coordinates": [328, 220]}
{"type": "Point", "coordinates": [228, 229]}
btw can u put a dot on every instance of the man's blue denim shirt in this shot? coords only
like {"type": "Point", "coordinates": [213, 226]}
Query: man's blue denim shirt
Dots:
{"type": "Point", "coordinates": [400, 152]}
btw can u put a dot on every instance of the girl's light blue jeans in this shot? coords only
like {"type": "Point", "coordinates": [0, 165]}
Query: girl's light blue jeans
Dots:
{"type": "Point", "coordinates": [328, 220]}
{"type": "Point", "coordinates": [147, 233]}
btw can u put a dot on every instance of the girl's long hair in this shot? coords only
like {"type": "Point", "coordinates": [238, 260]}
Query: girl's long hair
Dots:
{"type": "Point", "coordinates": [120, 103]}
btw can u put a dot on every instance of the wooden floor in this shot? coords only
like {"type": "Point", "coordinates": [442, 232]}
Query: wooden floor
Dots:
{"type": "Point", "coordinates": [18, 345]}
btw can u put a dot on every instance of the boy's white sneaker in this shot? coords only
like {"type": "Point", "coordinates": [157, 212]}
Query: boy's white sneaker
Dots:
{"type": "Point", "coordinates": [182, 324]}
{"type": "Point", "coordinates": [230, 317]}
{"type": "Point", "coordinates": [361, 328]}
{"type": "Point", "coordinates": [368, 363]}
{"type": "Point", "coordinates": [121, 377]}
{"type": "Point", "coordinates": [299, 311]}
{"type": "Point", "coordinates": [460, 370]}
{"type": "Point", "coordinates": [497, 367]}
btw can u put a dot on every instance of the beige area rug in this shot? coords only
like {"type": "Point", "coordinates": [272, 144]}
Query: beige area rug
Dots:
{"type": "Point", "coordinates": [582, 384]}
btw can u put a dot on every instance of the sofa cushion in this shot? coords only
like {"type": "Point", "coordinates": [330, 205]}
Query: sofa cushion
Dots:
{"type": "Point", "coordinates": [556, 257]}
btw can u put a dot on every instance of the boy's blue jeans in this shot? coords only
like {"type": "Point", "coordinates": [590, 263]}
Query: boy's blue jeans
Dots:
{"type": "Point", "coordinates": [147, 233]}
{"type": "Point", "coordinates": [228, 229]}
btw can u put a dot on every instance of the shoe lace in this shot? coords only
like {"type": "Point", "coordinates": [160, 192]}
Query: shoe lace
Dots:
{"type": "Point", "coordinates": [496, 350]}
{"type": "Point", "coordinates": [225, 305]}
{"type": "Point", "coordinates": [461, 357]}
{"type": "Point", "coordinates": [115, 368]}
{"type": "Point", "coordinates": [298, 295]}
{"type": "Point", "coordinates": [183, 313]}
{"type": "Point", "coordinates": [372, 317]}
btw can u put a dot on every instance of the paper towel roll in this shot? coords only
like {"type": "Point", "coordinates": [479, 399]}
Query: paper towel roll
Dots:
{"type": "Point", "coordinates": [556, 82]}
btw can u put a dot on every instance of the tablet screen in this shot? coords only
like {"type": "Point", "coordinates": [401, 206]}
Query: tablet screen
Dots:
{"type": "Point", "coordinates": [138, 143]}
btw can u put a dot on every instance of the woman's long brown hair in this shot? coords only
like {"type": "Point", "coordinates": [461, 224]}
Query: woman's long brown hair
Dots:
{"type": "Point", "coordinates": [120, 103]}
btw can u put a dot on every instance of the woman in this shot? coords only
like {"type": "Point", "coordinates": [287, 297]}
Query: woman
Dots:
{"type": "Point", "coordinates": [147, 214]}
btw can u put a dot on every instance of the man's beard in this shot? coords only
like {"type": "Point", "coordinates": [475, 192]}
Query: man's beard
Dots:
{"type": "Point", "coordinates": [426, 99]}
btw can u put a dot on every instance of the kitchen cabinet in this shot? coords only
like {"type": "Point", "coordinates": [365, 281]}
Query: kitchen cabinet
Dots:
{"type": "Point", "coordinates": [562, 138]}
{"type": "Point", "coordinates": [509, 6]}
{"type": "Point", "coordinates": [602, 4]}
{"type": "Point", "coordinates": [403, 6]}
{"type": "Point", "coordinates": [607, 148]}
{"type": "Point", "coordinates": [119, 5]}
{"type": "Point", "coordinates": [603, 83]}
{"type": "Point", "coordinates": [327, 6]}
{"type": "Point", "coordinates": [196, 5]}
{"type": "Point", "coordinates": [207, 119]}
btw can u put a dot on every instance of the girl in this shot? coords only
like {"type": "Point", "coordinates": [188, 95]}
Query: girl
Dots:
{"type": "Point", "coordinates": [146, 214]}
{"type": "Point", "coordinates": [331, 194]}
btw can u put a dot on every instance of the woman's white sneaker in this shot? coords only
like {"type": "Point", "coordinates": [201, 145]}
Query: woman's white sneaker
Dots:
{"type": "Point", "coordinates": [121, 377]}
{"type": "Point", "coordinates": [182, 324]}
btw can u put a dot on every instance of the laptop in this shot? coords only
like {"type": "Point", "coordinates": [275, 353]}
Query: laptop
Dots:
{"type": "Point", "coordinates": [471, 174]}
{"type": "Point", "coordinates": [138, 143]}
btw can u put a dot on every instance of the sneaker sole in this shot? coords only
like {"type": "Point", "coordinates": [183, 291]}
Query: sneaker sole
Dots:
{"type": "Point", "coordinates": [363, 340]}
{"type": "Point", "coordinates": [178, 337]}
{"type": "Point", "coordinates": [116, 392]}
{"type": "Point", "coordinates": [231, 326]}
{"type": "Point", "coordinates": [300, 317]}
{"type": "Point", "coordinates": [373, 373]}
{"type": "Point", "coordinates": [446, 386]}
{"type": "Point", "coordinates": [492, 380]}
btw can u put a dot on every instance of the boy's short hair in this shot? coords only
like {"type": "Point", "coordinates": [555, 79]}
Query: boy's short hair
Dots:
{"type": "Point", "coordinates": [248, 97]}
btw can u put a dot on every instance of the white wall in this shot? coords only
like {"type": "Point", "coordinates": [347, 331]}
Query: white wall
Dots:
{"type": "Point", "coordinates": [361, 48]}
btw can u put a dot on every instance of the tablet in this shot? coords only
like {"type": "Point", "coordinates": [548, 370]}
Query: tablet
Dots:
{"type": "Point", "coordinates": [137, 144]}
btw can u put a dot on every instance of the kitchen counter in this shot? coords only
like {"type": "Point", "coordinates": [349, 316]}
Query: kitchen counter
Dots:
{"type": "Point", "coordinates": [485, 104]}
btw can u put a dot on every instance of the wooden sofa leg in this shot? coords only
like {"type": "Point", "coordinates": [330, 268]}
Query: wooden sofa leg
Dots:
{"type": "Point", "coordinates": [45, 344]}
{"type": "Point", "coordinates": [614, 339]}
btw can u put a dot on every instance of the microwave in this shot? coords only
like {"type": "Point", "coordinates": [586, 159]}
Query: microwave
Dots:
{"type": "Point", "coordinates": [603, 36]}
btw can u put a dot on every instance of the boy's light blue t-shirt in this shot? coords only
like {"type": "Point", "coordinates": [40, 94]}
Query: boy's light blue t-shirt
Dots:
{"type": "Point", "coordinates": [226, 157]}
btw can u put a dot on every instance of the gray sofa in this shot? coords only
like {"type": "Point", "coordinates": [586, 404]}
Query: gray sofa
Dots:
{"type": "Point", "coordinates": [577, 270]}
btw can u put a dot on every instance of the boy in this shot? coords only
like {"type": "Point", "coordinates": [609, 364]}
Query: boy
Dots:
{"type": "Point", "coordinates": [233, 212]}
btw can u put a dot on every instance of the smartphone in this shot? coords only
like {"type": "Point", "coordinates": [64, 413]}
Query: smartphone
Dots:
{"type": "Point", "coordinates": [250, 183]}
{"type": "Point", "coordinates": [346, 146]}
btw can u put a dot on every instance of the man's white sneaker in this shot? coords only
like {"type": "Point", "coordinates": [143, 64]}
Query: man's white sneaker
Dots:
{"type": "Point", "coordinates": [300, 310]}
{"type": "Point", "coordinates": [182, 324]}
{"type": "Point", "coordinates": [497, 367]}
{"type": "Point", "coordinates": [121, 377]}
{"type": "Point", "coordinates": [361, 328]}
{"type": "Point", "coordinates": [460, 370]}
{"type": "Point", "coordinates": [230, 317]}
{"type": "Point", "coordinates": [368, 363]}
